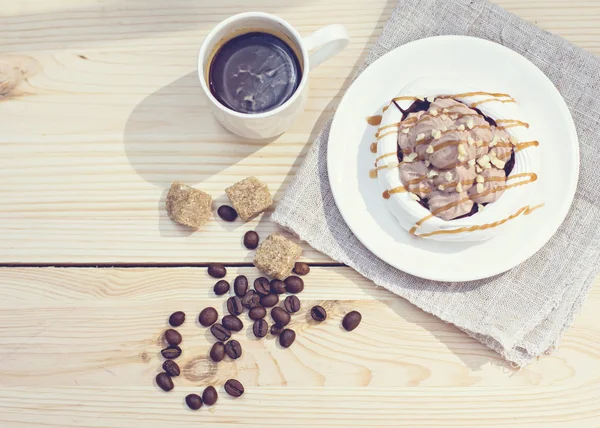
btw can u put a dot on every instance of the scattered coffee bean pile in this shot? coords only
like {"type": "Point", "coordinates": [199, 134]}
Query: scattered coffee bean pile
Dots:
{"type": "Point", "coordinates": [173, 338]}
{"type": "Point", "coordinates": [264, 295]}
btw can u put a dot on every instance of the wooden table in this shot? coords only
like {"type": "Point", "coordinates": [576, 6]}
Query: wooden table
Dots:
{"type": "Point", "coordinates": [99, 111]}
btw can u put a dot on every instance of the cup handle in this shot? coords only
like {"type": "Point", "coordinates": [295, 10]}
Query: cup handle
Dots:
{"type": "Point", "coordinates": [325, 43]}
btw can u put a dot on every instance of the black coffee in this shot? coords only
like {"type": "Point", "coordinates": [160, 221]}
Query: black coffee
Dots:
{"type": "Point", "coordinates": [254, 73]}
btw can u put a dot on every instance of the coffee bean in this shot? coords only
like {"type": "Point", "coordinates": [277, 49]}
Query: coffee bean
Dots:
{"type": "Point", "coordinates": [276, 329]}
{"type": "Point", "coordinates": [217, 352]}
{"type": "Point", "coordinates": [269, 300]}
{"type": "Point", "coordinates": [233, 349]}
{"type": "Point", "coordinates": [318, 313]}
{"type": "Point", "coordinates": [257, 313]}
{"type": "Point", "coordinates": [280, 316]}
{"type": "Point", "coordinates": [227, 213]}
{"type": "Point", "coordinates": [210, 396]}
{"type": "Point", "coordinates": [277, 286]}
{"type": "Point", "coordinates": [217, 270]}
{"type": "Point", "coordinates": [301, 269]}
{"type": "Point", "coordinates": [171, 352]}
{"type": "Point", "coordinates": [287, 337]}
{"type": "Point", "coordinates": [164, 382]}
{"type": "Point", "coordinates": [177, 318]}
{"type": "Point", "coordinates": [262, 286]}
{"type": "Point", "coordinates": [240, 286]}
{"type": "Point", "coordinates": [232, 323]}
{"type": "Point", "coordinates": [220, 332]}
{"type": "Point", "coordinates": [291, 304]}
{"type": "Point", "coordinates": [221, 287]}
{"type": "Point", "coordinates": [251, 299]}
{"type": "Point", "coordinates": [172, 337]}
{"type": "Point", "coordinates": [351, 320]}
{"type": "Point", "coordinates": [208, 316]}
{"type": "Point", "coordinates": [234, 388]}
{"type": "Point", "coordinates": [171, 368]}
{"type": "Point", "coordinates": [193, 401]}
{"type": "Point", "coordinates": [294, 284]}
{"type": "Point", "coordinates": [260, 328]}
{"type": "Point", "coordinates": [234, 305]}
{"type": "Point", "coordinates": [251, 240]}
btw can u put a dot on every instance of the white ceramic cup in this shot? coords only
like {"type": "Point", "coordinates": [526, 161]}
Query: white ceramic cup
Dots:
{"type": "Point", "coordinates": [312, 51]}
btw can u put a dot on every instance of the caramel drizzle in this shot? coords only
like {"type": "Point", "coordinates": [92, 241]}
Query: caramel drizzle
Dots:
{"type": "Point", "coordinates": [526, 210]}
{"type": "Point", "coordinates": [532, 178]}
{"type": "Point", "coordinates": [511, 123]}
{"type": "Point", "coordinates": [523, 146]}
{"type": "Point", "coordinates": [478, 103]}
{"type": "Point", "coordinates": [388, 193]}
{"type": "Point", "coordinates": [379, 137]}
{"type": "Point", "coordinates": [373, 147]}
{"type": "Point", "coordinates": [475, 94]}
{"type": "Point", "coordinates": [385, 156]}
{"type": "Point", "coordinates": [384, 109]}
{"type": "Point", "coordinates": [374, 120]}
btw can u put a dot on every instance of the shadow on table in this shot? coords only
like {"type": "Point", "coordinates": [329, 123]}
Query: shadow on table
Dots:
{"type": "Point", "coordinates": [328, 112]}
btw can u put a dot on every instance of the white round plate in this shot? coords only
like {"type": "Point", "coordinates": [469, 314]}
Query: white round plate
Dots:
{"type": "Point", "coordinates": [492, 68]}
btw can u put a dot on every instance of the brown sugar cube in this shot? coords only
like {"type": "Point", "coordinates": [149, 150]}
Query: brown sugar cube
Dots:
{"type": "Point", "coordinates": [249, 197]}
{"type": "Point", "coordinates": [188, 206]}
{"type": "Point", "coordinates": [276, 256]}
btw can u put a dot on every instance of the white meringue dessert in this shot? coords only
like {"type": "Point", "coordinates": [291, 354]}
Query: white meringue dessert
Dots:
{"type": "Point", "coordinates": [456, 163]}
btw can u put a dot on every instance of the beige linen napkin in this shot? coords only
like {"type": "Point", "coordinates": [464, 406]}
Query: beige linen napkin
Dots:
{"type": "Point", "coordinates": [520, 314]}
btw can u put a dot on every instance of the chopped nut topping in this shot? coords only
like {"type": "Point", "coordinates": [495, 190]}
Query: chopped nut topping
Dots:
{"type": "Point", "coordinates": [472, 162]}
{"type": "Point", "coordinates": [445, 129]}
{"type": "Point", "coordinates": [487, 166]}
{"type": "Point", "coordinates": [448, 176]}
{"type": "Point", "coordinates": [441, 187]}
{"type": "Point", "coordinates": [433, 112]}
{"type": "Point", "coordinates": [480, 207]}
{"type": "Point", "coordinates": [479, 179]}
{"type": "Point", "coordinates": [429, 149]}
{"type": "Point", "coordinates": [480, 187]}
{"type": "Point", "coordinates": [495, 141]}
{"type": "Point", "coordinates": [420, 98]}
{"type": "Point", "coordinates": [415, 197]}
{"type": "Point", "coordinates": [406, 130]}
{"type": "Point", "coordinates": [427, 163]}
{"type": "Point", "coordinates": [410, 158]}
{"type": "Point", "coordinates": [461, 127]}
{"type": "Point", "coordinates": [484, 160]}
{"type": "Point", "coordinates": [492, 154]}
{"type": "Point", "coordinates": [437, 134]}
{"type": "Point", "coordinates": [471, 124]}
{"type": "Point", "coordinates": [498, 163]}
{"type": "Point", "coordinates": [446, 110]}
{"type": "Point", "coordinates": [461, 158]}
{"type": "Point", "coordinates": [459, 188]}
{"type": "Point", "coordinates": [478, 169]}
{"type": "Point", "coordinates": [420, 137]}
{"type": "Point", "coordinates": [462, 150]}
{"type": "Point", "coordinates": [513, 140]}
{"type": "Point", "coordinates": [478, 143]}
{"type": "Point", "coordinates": [471, 141]}
{"type": "Point", "coordinates": [430, 99]}
{"type": "Point", "coordinates": [432, 173]}
{"type": "Point", "coordinates": [444, 117]}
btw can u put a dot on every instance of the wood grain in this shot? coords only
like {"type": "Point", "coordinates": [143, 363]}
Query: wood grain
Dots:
{"type": "Point", "coordinates": [100, 110]}
{"type": "Point", "coordinates": [80, 347]}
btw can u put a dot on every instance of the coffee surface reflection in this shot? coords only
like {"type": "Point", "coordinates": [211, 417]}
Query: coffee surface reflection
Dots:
{"type": "Point", "coordinates": [254, 73]}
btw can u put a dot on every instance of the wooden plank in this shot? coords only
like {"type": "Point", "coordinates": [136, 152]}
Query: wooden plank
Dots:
{"type": "Point", "coordinates": [81, 347]}
{"type": "Point", "coordinates": [109, 112]}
